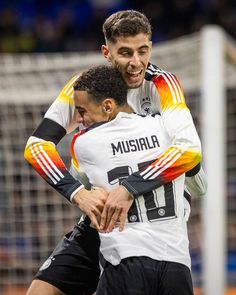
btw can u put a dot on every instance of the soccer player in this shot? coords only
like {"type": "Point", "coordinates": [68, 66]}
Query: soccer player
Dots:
{"type": "Point", "coordinates": [150, 256]}
{"type": "Point", "coordinates": [73, 267]}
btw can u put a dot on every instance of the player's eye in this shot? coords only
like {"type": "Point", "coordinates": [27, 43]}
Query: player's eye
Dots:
{"type": "Point", "coordinates": [125, 53]}
{"type": "Point", "coordinates": [142, 52]}
{"type": "Point", "coordinates": [81, 111]}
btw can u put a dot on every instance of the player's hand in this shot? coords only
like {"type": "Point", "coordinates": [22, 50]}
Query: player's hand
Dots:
{"type": "Point", "coordinates": [91, 203]}
{"type": "Point", "coordinates": [115, 209]}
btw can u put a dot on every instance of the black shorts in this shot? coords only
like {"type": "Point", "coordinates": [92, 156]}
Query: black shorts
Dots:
{"type": "Point", "coordinates": [73, 267]}
{"type": "Point", "coordinates": [145, 276]}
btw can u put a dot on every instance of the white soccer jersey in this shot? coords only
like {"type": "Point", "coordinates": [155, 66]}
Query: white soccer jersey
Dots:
{"type": "Point", "coordinates": [159, 92]}
{"type": "Point", "coordinates": [156, 226]}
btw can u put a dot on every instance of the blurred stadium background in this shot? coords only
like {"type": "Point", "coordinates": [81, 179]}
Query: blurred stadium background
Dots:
{"type": "Point", "coordinates": [42, 45]}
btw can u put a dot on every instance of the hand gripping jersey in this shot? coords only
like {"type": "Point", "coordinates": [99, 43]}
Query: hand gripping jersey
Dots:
{"type": "Point", "coordinates": [160, 92]}
{"type": "Point", "coordinates": [108, 154]}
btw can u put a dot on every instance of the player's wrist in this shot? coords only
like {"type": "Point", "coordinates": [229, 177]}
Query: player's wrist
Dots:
{"type": "Point", "coordinates": [74, 198]}
{"type": "Point", "coordinates": [127, 191]}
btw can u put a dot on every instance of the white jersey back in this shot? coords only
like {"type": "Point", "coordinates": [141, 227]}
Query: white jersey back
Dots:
{"type": "Point", "coordinates": [156, 226]}
{"type": "Point", "coordinates": [161, 93]}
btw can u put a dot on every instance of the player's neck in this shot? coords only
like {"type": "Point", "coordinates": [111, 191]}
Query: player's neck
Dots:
{"type": "Point", "coordinates": [125, 109]}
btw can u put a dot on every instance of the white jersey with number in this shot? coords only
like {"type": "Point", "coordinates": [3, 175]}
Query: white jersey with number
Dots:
{"type": "Point", "coordinates": [156, 225]}
{"type": "Point", "coordinates": [160, 92]}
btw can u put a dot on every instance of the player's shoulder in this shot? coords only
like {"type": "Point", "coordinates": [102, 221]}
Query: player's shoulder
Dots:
{"type": "Point", "coordinates": [88, 130]}
{"type": "Point", "coordinates": [166, 84]}
{"type": "Point", "coordinates": [78, 135]}
{"type": "Point", "coordinates": [68, 87]}
{"type": "Point", "coordinates": [153, 72]}
{"type": "Point", "coordinates": [149, 116]}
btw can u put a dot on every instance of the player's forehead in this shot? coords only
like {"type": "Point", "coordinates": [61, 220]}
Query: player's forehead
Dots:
{"type": "Point", "coordinates": [131, 42]}
{"type": "Point", "coordinates": [81, 98]}
{"type": "Point", "coordinates": [84, 100]}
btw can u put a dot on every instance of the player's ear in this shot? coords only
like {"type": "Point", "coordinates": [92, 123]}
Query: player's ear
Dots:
{"type": "Point", "coordinates": [106, 52]}
{"type": "Point", "coordinates": [108, 105]}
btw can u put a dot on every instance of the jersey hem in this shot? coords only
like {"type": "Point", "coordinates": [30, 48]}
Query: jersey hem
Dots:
{"type": "Point", "coordinates": [128, 254]}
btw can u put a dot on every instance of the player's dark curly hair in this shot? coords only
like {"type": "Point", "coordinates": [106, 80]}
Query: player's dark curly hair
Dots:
{"type": "Point", "coordinates": [103, 82]}
{"type": "Point", "coordinates": [126, 23]}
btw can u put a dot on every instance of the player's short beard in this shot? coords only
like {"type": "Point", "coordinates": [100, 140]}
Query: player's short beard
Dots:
{"type": "Point", "coordinates": [134, 87]}
{"type": "Point", "coordinates": [117, 66]}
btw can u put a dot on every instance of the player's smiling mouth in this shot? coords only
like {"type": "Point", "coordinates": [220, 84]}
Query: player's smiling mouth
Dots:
{"type": "Point", "coordinates": [134, 73]}
{"type": "Point", "coordinates": [134, 76]}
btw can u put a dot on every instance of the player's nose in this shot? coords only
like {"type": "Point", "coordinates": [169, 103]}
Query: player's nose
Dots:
{"type": "Point", "coordinates": [79, 119]}
{"type": "Point", "coordinates": [135, 60]}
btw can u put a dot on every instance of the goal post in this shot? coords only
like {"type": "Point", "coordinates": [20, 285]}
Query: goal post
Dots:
{"type": "Point", "coordinates": [213, 117]}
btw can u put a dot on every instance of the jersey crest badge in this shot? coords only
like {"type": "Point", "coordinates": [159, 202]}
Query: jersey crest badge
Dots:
{"type": "Point", "coordinates": [146, 105]}
{"type": "Point", "coordinates": [47, 263]}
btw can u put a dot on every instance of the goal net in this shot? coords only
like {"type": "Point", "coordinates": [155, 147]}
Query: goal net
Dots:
{"type": "Point", "coordinates": [33, 217]}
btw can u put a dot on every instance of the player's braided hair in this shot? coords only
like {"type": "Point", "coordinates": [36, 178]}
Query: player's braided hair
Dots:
{"type": "Point", "coordinates": [126, 23]}
{"type": "Point", "coordinates": [103, 82]}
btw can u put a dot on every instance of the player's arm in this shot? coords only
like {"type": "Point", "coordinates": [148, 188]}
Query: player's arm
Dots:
{"type": "Point", "coordinates": [40, 150]}
{"type": "Point", "coordinates": [195, 181]}
{"type": "Point", "coordinates": [90, 200]}
{"type": "Point", "coordinates": [185, 151]}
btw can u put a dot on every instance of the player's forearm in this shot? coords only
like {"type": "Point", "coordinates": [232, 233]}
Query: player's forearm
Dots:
{"type": "Point", "coordinates": [43, 157]}
{"type": "Point", "coordinates": [170, 165]}
{"type": "Point", "coordinates": [41, 153]}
